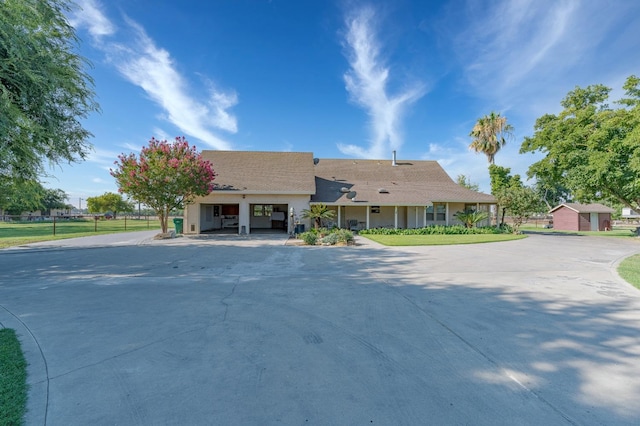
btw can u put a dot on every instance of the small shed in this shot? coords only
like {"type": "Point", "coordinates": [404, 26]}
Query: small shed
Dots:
{"type": "Point", "coordinates": [582, 217]}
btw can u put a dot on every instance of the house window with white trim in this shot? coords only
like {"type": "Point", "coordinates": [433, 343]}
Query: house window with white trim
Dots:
{"type": "Point", "coordinates": [440, 212]}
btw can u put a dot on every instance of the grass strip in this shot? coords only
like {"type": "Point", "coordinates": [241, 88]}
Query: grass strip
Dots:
{"type": "Point", "coordinates": [629, 270]}
{"type": "Point", "coordinates": [13, 379]}
{"type": "Point", "coordinates": [439, 240]}
{"type": "Point", "coordinates": [18, 233]}
{"type": "Point", "coordinates": [616, 232]}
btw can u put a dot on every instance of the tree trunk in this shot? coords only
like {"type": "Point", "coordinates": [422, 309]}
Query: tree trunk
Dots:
{"type": "Point", "coordinates": [163, 216]}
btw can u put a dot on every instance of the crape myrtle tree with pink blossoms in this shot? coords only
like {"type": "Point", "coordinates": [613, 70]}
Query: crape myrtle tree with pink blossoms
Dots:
{"type": "Point", "coordinates": [166, 176]}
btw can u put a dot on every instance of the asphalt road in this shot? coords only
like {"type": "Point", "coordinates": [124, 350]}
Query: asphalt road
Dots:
{"type": "Point", "coordinates": [250, 331]}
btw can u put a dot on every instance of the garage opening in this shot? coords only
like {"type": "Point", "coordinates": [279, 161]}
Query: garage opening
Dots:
{"type": "Point", "coordinates": [268, 217]}
{"type": "Point", "coordinates": [219, 218]}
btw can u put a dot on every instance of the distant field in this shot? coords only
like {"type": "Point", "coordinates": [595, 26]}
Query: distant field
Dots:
{"type": "Point", "coordinates": [25, 232]}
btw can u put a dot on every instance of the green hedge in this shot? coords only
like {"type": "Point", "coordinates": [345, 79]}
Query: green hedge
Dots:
{"type": "Point", "coordinates": [438, 230]}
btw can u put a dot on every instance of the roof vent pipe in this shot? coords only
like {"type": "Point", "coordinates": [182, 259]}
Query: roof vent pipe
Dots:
{"type": "Point", "coordinates": [393, 163]}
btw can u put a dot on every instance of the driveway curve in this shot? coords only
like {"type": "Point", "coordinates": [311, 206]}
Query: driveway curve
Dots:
{"type": "Point", "coordinates": [230, 330]}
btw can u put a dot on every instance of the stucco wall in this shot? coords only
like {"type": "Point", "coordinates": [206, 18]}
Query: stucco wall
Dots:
{"type": "Point", "coordinates": [192, 214]}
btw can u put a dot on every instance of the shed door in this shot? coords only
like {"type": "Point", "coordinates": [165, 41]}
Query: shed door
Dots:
{"type": "Point", "coordinates": [595, 222]}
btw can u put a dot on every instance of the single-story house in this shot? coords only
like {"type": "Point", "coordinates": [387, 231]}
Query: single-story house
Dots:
{"type": "Point", "coordinates": [256, 190]}
{"type": "Point", "coordinates": [582, 217]}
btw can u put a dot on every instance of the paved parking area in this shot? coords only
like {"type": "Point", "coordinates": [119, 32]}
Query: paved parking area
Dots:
{"type": "Point", "coordinates": [249, 330]}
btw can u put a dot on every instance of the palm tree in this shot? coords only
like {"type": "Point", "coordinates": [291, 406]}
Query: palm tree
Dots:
{"type": "Point", "coordinates": [489, 134]}
{"type": "Point", "coordinates": [317, 212]}
{"type": "Point", "coordinates": [470, 218]}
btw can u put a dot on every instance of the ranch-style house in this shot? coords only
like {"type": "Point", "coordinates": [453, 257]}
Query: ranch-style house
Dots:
{"type": "Point", "coordinates": [256, 191]}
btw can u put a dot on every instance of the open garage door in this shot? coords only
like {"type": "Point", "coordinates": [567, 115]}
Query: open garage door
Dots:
{"type": "Point", "coordinates": [268, 217]}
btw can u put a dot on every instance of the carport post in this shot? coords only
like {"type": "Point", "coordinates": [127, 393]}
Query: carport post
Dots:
{"type": "Point", "coordinates": [395, 218]}
{"type": "Point", "coordinates": [368, 210]}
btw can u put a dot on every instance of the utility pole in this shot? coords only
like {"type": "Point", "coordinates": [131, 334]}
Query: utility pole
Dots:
{"type": "Point", "coordinates": [80, 204]}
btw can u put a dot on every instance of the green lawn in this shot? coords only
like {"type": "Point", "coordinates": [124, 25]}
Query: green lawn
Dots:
{"type": "Point", "coordinates": [24, 232]}
{"type": "Point", "coordinates": [13, 379]}
{"type": "Point", "coordinates": [629, 269]}
{"type": "Point", "coordinates": [437, 240]}
{"type": "Point", "coordinates": [616, 232]}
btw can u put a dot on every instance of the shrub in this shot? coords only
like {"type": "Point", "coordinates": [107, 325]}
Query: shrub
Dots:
{"type": "Point", "coordinates": [310, 238]}
{"type": "Point", "coordinates": [330, 239]}
{"type": "Point", "coordinates": [344, 235]}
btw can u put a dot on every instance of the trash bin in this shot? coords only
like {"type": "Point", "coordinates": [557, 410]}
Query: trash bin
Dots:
{"type": "Point", "coordinates": [177, 223]}
{"type": "Point", "coordinates": [299, 228]}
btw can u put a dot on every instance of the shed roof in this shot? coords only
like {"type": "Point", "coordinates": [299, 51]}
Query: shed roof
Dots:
{"type": "Point", "coordinates": [584, 208]}
{"type": "Point", "coordinates": [262, 171]}
{"type": "Point", "coordinates": [378, 182]}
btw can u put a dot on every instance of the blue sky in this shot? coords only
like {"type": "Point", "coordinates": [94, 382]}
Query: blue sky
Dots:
{"type": "Point", "coordinates": [343, 79]}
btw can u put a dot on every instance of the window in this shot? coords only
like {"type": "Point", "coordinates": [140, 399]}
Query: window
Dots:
{"type": "Point", "coordinates": [430, 213]}
{"type": "Point", "coordinates": [375, 209]}
{"type": "Point", "coordinates": [440, 212]}
{"type": "Point", "coordinates": [470, 207]}
{"type": "Point", "coordinates": [262, 209]}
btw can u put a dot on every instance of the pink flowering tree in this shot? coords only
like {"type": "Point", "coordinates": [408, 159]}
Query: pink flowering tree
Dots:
{"type": "Point", "coordinates": [166, 176]}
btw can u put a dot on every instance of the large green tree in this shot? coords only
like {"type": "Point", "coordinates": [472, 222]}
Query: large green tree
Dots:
{"type": "Point", "coordinates": [29, 195]}
{"type": "Point", "coordinates": [490, 134]}
{"type": "Point", "coordinates": [519, 200]}
{"type": "Point", "coordinates": [45, 91]}
{"type": "Point", "coordinates": [500, 178]}
{"type": "Point", "coordinates": [165, 177]}
{"type": "Point", "coordinates": [108, 202]}
{"type": "Point", "coordinates": [591, 148]}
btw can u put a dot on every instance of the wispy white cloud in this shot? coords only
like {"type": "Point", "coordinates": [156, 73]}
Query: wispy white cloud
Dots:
{"type": "Point", "coordinates": [89, 15]}
{"type": "Point", "coordinates": [367, 83]}
{"type": "Point", "coordinates": [153, 69]}
{"type": "Point", "coordinates": [103, 158]}
{"type": "Point", "coordinates": [536, 49]}
{"type": "Point", "coordinates": [509, 41]}
{"type": "Point", "coordinates": [133, 148]}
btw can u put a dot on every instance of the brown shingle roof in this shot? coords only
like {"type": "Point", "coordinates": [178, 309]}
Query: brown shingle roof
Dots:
{"type": "Point", "coordinates": [408, 183]}
{"type": "Point", "coordinates": [262, 172]}
{"type": "Point", "coordinates": [585, 208]}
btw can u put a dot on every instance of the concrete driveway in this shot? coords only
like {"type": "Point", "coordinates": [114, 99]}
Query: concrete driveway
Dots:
{"type": "Point", "coordinates": [229, 330]}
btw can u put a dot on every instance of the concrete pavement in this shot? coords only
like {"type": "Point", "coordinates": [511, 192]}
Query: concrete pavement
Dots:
{"type": "Point", "coordinates": [248, 330]}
